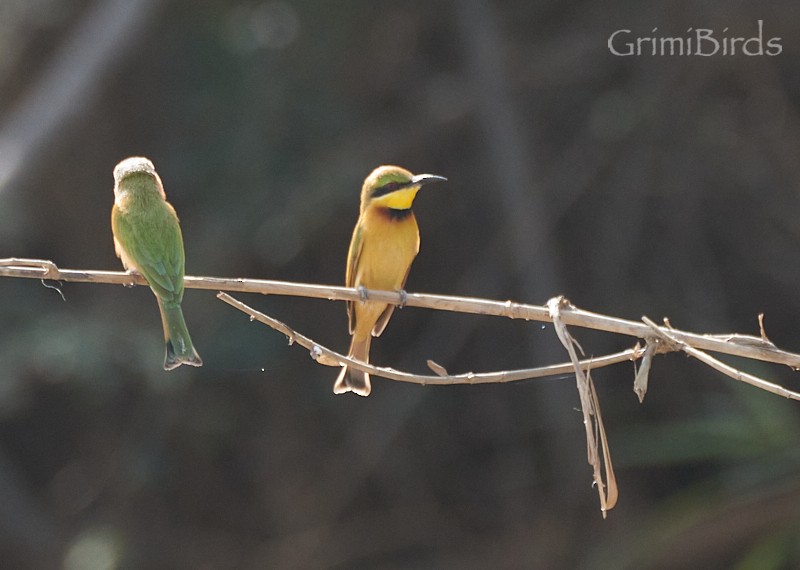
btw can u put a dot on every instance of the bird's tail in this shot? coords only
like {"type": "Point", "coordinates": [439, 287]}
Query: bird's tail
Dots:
{"type": "Point", "coordinates": [179, 347]}
{"type": "Point", "coordinates": [350, 380]}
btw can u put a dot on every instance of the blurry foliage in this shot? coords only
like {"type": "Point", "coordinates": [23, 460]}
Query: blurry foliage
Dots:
{"type": "Point", "coordinates": [667, 186]}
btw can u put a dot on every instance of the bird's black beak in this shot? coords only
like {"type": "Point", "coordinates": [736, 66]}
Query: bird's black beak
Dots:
{"type": "Point", "coordinates": [425, 178]}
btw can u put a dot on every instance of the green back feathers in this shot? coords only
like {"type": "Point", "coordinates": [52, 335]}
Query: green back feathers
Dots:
{"type": "Point", "coordinates": [146, 228]}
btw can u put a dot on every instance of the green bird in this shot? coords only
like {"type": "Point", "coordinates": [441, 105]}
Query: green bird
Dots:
{"type": "Point", "coordinates": [147, 238]}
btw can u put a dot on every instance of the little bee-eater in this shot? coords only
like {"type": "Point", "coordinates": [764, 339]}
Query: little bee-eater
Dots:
{"type": "Point", "coordinates": [147, 238]}
{"type": "Point", "coordinates": [385, 242]}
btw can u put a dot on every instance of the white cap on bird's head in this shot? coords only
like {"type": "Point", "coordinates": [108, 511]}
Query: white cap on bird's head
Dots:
{"type": "Point", "coordinates": [132, 165]}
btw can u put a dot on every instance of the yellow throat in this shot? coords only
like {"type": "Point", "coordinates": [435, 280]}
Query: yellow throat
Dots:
{"type": "Point", "coordinates": [397, 200]}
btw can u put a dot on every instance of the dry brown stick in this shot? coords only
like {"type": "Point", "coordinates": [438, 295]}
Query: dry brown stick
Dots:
{"type": "Point", "coordinates": [607, 487]}
{"type": "Point", "coordinates": [643, 374]}
{"type": "Point", "coordinates": [590, 407]}
{"type": "Point", "coordinates": [663, 333]}
{"type": "Point", "coordinates": [329, 357]}
{"type": "Point", "coordinates": [739, 345]}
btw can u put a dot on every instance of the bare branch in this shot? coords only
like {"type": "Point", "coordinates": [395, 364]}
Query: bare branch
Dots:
{"type": "Point", "coordinates": [666, 334]}
{"type": "Point", "coordinates": [559, 311]}
{"type": "Point", "coordinates": [739, 345]}
{"type": "Point", "coordinates": [590, 406]}
{"type": "Point", "coordinates": [328, 357]}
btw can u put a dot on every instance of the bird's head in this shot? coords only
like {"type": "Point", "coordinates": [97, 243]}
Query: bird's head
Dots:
{"type": "Point", "coordinates": [134, 173]}
{"type": "Point", "coordinates": [393, 187]}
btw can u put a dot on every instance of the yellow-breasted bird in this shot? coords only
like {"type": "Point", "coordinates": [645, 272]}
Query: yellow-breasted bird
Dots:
{"type": "Point", "coordinates": [147, 238]}
{"type": "Point", "coordinates": [385, 242]}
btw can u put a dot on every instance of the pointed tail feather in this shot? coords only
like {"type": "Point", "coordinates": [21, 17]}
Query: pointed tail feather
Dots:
{"type": "Point", "coordinates": [179, 347]}
{"type": "Point", "coordinates": [356, 381]}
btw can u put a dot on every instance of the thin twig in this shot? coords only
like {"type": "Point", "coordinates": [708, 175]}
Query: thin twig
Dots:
{"type": "Point", "coordinates": [721, 366]}
{"type": "Point", "coordinates": [739, 345]}
{"type": "Point", "coordinates": [643, 374]}
{"type": "Point", "coordinates": [328, 357]}
{"type": "Point", "coordinates": [590, 406]}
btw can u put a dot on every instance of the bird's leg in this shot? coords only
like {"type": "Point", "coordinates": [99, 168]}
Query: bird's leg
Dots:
{"type": "Point", "coordinates": [403, 298]}
{"type": "Point", "coordinates": [133, 273]}
{"type": "Point", "coordinates": [363, 294]}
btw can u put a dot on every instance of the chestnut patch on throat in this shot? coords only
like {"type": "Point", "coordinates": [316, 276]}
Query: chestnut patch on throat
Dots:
{"type": "Point", "coordinates": [396, 215]}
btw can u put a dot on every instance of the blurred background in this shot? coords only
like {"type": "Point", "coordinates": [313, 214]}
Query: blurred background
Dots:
{"type": "Point", "coordinates": [651, 185]}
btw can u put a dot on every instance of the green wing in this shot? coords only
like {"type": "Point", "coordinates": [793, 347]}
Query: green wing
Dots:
{"type": "Point", "coordinates": [153, 243]}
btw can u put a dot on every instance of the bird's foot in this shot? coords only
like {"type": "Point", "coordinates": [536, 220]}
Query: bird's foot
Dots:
{"type": "Point", "coordinates": [363, 294]}
{"type": "Point", "coordinates": [403, 298]}
{"type": "Point", "coordinates": [134, 274]}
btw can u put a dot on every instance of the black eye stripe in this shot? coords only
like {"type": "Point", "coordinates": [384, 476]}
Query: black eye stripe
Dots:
{"type": "Point", "coordinates": [388, 188]}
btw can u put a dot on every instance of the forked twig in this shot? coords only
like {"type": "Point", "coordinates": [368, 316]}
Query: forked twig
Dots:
{"type": "Point", "coordinates": [721, 366]}
{"type": "Point", "coordinates": [328, 357]}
